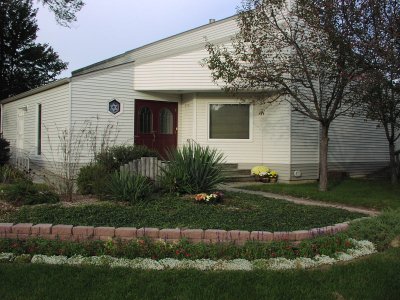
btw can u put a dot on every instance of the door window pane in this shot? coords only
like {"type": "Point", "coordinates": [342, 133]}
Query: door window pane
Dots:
{"type": "Point", "coordinates": [146, 120]}
{"type": "Point", "coordinates": [166, 121]}
{"type": "Point", "coordinates": [229, 121]}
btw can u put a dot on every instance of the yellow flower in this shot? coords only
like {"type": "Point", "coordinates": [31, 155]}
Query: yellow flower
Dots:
{"type": "Point", "coordinates": [259, 169]}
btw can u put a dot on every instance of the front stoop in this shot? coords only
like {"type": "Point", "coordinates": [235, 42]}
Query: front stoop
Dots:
{"type": "Point", "coordinates": [234, 174]}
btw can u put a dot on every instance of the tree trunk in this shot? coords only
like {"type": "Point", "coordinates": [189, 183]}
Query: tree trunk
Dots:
{"type": "Point", "coordinates": [393, 166]}
{"type": "Point", "coordinates": [323, 159]}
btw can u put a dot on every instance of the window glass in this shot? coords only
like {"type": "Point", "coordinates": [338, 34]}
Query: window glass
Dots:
{"type": "Point", "coordinates": [146, 120]}
{"type": "Point", "coordinates": [166, 121]}
{"type": "Point", "coordinates": [229, 121]}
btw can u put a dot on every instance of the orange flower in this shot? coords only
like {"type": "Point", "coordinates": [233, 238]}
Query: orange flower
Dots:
{"type": "Point", "coordinates": [200, 197]}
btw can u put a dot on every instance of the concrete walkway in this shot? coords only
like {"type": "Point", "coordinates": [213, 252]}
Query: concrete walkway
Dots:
{"type": "Point", "coordinates": [233, 187]}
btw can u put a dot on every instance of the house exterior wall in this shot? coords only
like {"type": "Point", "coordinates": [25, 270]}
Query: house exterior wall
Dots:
{"type": "Point", "coordinates": [269, 142]}
{"type": "Point", "coordinates": [91, 95]}
{"type": "Point", "coordinates": [304, 147]}
{"type": "Point", "coordinates": [355, 146]}
{"type": "Point", "coordinates": [55, 112]}
{"type": "Point", "coordinates": [187, 120]}
{"type": "Point", "coordinates": [182, 72]}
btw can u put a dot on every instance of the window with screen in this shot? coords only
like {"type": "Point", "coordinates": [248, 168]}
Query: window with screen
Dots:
{"type": "Point", "coordinates": [230, 121]}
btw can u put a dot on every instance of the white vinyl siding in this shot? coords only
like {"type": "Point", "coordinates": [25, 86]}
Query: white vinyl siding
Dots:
{"type": "Point", "coordinates": [186, 120]}
{"type": "Point", "coordinates": [179, 73]}
{"type": "Point", "coordinates": [55, 103]}
{"type": "Point", "coordinates": [304, 146]}
{"type": "Point", "coordinates": [357, 140]}
{"type": "Point", "coordinates": [356, 146]}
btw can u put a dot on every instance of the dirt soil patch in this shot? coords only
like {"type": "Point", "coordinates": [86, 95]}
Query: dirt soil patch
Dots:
{"type": "Point", "coordinates": [78, 200]}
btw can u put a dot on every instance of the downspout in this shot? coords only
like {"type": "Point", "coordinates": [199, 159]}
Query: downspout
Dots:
{"type": "Point", "coordinates": [1, 119]}
{"type": "Point", "coordinates": [70, 105]}
{"type": "Point", "coordinates": [290, 141]}
{"type": "Point", "coordinates": [69, 121]}
{"type": "Point", "coordinates": [195, 117]}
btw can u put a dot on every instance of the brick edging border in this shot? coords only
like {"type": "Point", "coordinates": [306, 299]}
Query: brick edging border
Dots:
{"type": "Point", "coordinates": [84, 233]}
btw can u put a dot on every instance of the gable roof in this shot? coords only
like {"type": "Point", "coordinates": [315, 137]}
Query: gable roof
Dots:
{"type": "Point", "coordinates": [218, 31]}
{"type": "Point", "coordinates": [196, 38]}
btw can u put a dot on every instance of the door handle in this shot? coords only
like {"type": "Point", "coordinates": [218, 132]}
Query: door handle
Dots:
{"type": "Point", "coordinates": [154, 136]}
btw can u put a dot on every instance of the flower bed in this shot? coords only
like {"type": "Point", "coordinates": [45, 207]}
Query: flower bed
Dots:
{"type": "Point", "coordinates": [146, 248]}
{"type": "Point", "coordinates": [255, 213]}
{"type": "Point", "coordinates": [361, 248]}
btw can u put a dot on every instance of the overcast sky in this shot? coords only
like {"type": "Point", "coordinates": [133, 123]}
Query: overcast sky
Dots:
{"type": "Point", "coordinates": [110, 27]}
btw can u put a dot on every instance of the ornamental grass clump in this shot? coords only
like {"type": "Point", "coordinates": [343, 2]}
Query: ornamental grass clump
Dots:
{"type": "Point", "coordinates": [28, 193]}
{"type": "Point", "coordinates": [124, 186]}
{"type": "Point", "coordinates": [193, 169]}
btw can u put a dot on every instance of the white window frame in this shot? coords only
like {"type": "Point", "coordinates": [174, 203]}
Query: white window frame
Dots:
{"type": "Point", "coordinates": [251, 121]}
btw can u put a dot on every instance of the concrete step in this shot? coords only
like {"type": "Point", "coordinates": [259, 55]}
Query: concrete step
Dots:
{"type": "Point", "coordinates": [229, 167]}
{"type": "Point", "coordinates": [240, 178]}
{"type": "Point", "coordinates": [236, 172]}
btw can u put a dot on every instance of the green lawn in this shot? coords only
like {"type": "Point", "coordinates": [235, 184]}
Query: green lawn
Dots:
{"type": "Point", "coordinates": [376, 277]}
{"type": "Point", "coordinates": [355, 192]}
{"type": "Point", "coordinates": [240, 211]}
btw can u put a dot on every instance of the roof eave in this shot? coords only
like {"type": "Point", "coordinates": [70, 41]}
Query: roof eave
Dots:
{"type": "Point", "coordinates": [37, 90]}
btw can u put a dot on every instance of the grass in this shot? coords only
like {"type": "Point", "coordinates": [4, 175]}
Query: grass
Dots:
{"type": "Point", "coordinates": [240, 211]}
{"type": "Point", "coordinates": [354, 192]}
{"type": "Point", "coordinates": [380, 230]}
{"type": "Point", "coordinates": [376, 277]}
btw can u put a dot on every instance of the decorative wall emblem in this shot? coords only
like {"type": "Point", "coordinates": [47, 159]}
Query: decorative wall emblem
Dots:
{"type": "Point", "coordinates": [114, 107]}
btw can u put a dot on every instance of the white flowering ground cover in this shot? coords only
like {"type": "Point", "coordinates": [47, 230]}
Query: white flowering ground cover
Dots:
{"type": "Point", "coordinates": [361, 248]}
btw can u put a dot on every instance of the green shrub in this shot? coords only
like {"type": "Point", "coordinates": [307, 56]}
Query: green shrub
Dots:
{"type": "Point", "coordinates": [8, 174]}
{"type": "Point", "coordinates": [380, 230]}
{"type": "Point", "coordinates": [124, 186]}
{"type": "Point", "coordinates": [193, 169]}
{"type": "Point", "coordinates": [117, 156]}
{"type": "Point", "coordinates": [92, 179]}
{"type": "Point", "coordinates": [28, 193]}
{"type": "Point", "coordinates": [4, 151]}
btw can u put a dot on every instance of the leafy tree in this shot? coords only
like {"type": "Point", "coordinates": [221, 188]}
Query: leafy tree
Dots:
{"type": "Point", "coordinates": [4, 151]}
{"type": "Point", "coordinates": [373, 27]}
{"type": "Point", "coordinates": [282, 53]}
{"type": "Point", "coordinates": [382, 103]}
{"type": "Point", "coordinates": [64, 10]}
{"type": "Point", "coordinates": [24, 64]}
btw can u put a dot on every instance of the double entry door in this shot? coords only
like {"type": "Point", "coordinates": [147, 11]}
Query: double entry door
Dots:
{"type": "Point", "coordinates": [156, 125]}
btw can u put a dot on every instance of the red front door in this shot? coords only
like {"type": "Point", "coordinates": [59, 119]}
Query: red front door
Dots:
{"type": "Point", "coordinates": [156, 124]}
